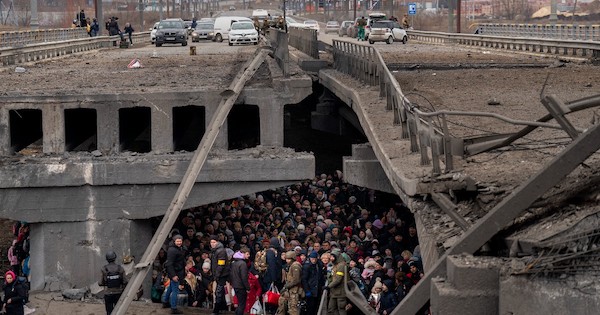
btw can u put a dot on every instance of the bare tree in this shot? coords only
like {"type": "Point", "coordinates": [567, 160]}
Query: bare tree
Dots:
{"type": "Point", "coordinates": [511, 8]}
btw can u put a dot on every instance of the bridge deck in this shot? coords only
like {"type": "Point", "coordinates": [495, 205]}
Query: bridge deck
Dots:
{"type": "Point", "coordinates": [105, 71]}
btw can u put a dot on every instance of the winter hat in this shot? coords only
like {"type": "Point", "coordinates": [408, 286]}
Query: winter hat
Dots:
{"type": "Point", "coordinates": [177, 237]}
{"type": "Point", "coordinates": [313, 254]}
{"type": "Point", "coordinates": [389, 284]}
{"type": "Point", "coordinates": [378, 224]}
{"type": "Point", "coordinates": [378, 284]}
{"type": "Point", "coordinates": [238, 255]}
{"type": "Point", "coordinates": [290, 255]}
{"type": "Point", "coordinates": [301, 227]}
{"type": "Point", "coordinates": [11, 273]}
{"type": "Point", "coordinates": [206, 265]}
{"type": "Point", "coordinates": [352, 199]}
{"type": "Point", "coordinates": [274, 241]}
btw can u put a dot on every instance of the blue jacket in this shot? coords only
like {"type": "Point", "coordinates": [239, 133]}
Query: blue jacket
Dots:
{"type": "Point", "coordinates": [312, 278]}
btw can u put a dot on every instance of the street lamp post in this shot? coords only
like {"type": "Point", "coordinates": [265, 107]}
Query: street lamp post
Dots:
{"type": "Point", "coordinates": [284, 17]}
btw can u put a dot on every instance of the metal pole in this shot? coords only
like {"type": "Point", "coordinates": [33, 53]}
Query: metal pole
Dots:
{"type": "Point", "coordinates": [34, 15]}
{"type": "Point", "coordinates": [141, 6]}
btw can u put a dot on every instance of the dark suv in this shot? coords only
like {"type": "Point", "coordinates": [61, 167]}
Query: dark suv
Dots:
{"type": "Point", "coordinates": [171, 31]}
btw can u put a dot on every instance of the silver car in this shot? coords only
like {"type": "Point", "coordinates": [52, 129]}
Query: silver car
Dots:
{"type": "Point", "coordinates": [203, 31]}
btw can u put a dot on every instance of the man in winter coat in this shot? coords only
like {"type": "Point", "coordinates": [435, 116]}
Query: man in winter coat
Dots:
{"type": "Point", "coordinates": [220, 267]}
{"type": "Point", "coordinates": [113, 278]}
{"type": "Point", "coordinates": [312, 281]}
{"type": "Point", "coordinates": [292, 291]}
{"type": "Point", "coordinates": [175, 266]}
{"type": "Point", "coordinates": [239, 278]}
{"type": "Point", "coordinates": [337, 292]}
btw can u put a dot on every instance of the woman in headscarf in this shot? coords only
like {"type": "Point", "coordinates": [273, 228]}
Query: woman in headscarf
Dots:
{"type": "Point", "coordinates": [14, 295]}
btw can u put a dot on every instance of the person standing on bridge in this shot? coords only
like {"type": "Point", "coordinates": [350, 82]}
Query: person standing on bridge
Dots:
{"type": "Point", "coordinates": [405, 24]}
{"type": "Point", "coordinates": [129, 31]}
{"type": "Point", "coordinates": [113, 278]}
{"type": "Point", "coordinates": [361, 23]}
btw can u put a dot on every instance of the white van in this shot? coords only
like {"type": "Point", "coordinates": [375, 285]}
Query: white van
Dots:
{"type": "Point", "coordinates": [223, 24]}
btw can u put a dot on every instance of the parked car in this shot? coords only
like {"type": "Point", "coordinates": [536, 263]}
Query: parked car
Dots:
{"type": "Point", "coordinates": [171, 31]}
{"type": "Point", "coordinates": [243, 32]}
{"type": "Point", "coordinates": [373, 17]}
{"type": "Point", "coordinates": [223, 24]}
{"type": "Point", "coordinates": [203, 31]}
{"type": "Point", "coordinates": [153, 32]}
{"type": "Point", "coordinates": [332, 27]}
{"type": "Point", "coordinates": [387, 31]}
{"type": "Point", "coordinates": [293, 23]}
{"type": "Point", "coordinates": [343, 29]}
{"type": "Point", "coordinates": [312, 24]}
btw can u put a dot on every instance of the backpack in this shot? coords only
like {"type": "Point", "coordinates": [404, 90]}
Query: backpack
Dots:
{"type": "Point", "coordinates": [260, 261]}
{"type": "Point", "coordinates": [113, 277]}
{"type": "Point", "coordinates": [25, 284]}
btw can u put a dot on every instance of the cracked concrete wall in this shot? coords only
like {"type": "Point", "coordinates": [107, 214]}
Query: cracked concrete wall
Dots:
{"type": "Point", "coordinates": [74, 252]}
{"type": "Point", "coordinates": [523, 295]}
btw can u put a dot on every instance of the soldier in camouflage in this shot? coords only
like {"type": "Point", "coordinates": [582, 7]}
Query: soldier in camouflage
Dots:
{"type": "Point", "coordinates": [292, 291]}
{"type": "Point", "coordinates": [337, 293]}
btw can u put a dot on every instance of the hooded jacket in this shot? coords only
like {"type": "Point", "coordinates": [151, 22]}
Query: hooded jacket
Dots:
{"type": "Point", "coordinates": [219, 264]}
{"type": "Point", "coordinates": [274, 263]}
{"type": "Point", "coordinates": [239, 273]}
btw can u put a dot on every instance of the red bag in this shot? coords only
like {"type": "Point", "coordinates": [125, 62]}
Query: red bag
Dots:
{"type": "Point", "coordinates": [272, 295]}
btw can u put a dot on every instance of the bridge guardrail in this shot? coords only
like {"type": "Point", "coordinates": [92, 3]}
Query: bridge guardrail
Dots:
{"type": "Point", "coordinates": [22, 38]}
{"type": "Point", "coordinates": [366, 64]}
{"type": "Point", "coordinates": [553, 31]}
{"type": "Point", "coordinates": [304, 40]}
{"type": "Point", "coordinates": [555, 47]}
{"type": "Point", "coordinates": [40, 51]}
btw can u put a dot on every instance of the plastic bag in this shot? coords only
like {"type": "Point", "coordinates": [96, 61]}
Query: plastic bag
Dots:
{"type": "Point", "coordinates": [256, 308]}
{"type": "Point", "coordinates": [272, 295]}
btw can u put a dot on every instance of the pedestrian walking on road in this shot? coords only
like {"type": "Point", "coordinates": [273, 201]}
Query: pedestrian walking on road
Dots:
{"type": "Point", "coordinates": [361, 23]}
{"type": "Point", "coordinates": [129, 31]}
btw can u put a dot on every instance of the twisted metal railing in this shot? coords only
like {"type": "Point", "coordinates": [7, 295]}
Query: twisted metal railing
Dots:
{"type": "Point", "coordinates": [427, 132]}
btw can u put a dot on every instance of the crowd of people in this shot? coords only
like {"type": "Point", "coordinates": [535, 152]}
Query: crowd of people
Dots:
{"type": "Point", "coordinates": [294, 243]}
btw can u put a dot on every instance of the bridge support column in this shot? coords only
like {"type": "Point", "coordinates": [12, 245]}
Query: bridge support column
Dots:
{"type": "Point", "coordinates": [108, 129]}
{"type": "Point", "coordinates": [162, 131]}
{"type": "Point", "coordinates": [70, 254]}
{"type": "Point", "coordinates": [4, 134]}
{"type": "Point", "coordinates": [53, 122]}
{"type": "Point", "coordinates": [271, 123]}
